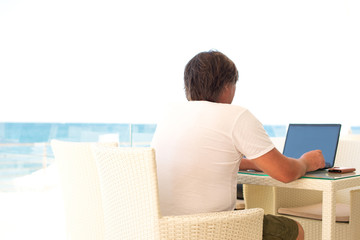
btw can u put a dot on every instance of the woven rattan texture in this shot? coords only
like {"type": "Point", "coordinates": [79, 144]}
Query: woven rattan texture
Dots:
{"type": "Point", "coordinates": [81, 190]}
{"type": "Point", "coordinates": [127, 182]}
{"type": "Point", "coordinates": [129, 191]}
{"type": "Point", "coordinates": [300, 193]}
{"type": "Point", "coordinates": [347, 155]}
{"type": "Point", "coordinates": [221, 226]}
{"type": "Point", "coordinates": [255, 196]}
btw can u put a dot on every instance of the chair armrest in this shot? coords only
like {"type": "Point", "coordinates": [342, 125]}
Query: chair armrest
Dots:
{"type": "Point", "coordinates": [243, 224]}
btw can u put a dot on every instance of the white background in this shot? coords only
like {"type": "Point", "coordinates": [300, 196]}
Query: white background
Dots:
{"type": "Point", "coordinates": [121, 61]}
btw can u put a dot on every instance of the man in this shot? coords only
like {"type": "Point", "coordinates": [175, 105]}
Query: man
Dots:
{"type": "Point", "coordinates": [201, 144]}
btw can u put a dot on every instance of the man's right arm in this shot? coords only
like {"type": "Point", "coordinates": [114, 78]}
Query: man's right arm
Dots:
{"type": "Point", "coordinates": [287, 169]}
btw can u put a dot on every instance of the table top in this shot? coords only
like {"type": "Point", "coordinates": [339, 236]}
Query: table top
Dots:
{"type": "Point", "coordinates": [319, 174]}
{"type": "Point", "coordinates": [319, 181]}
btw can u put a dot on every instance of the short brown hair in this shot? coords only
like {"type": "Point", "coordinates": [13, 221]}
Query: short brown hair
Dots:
{"type": "Point", "coordinates": [206, 74]}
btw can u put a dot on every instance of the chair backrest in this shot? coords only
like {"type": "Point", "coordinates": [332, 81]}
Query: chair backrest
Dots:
{"type": "Point", "coordinates": [348, 155]}
{"type": "Point", "coordinates": [79, 181]}
{"type": "Point", "coordinates": [129, 191]}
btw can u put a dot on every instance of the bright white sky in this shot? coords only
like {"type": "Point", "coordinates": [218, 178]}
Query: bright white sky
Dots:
{"type": "Point", "coordinates": [120, 61]}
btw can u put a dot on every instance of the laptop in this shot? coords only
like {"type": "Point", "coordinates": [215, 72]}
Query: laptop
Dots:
{"type": "Point", "coordinates": [301, 138]}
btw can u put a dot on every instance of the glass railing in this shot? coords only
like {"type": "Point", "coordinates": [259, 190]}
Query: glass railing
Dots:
{"type": "Point", "coordinates": [355, 130]}
{"type": "Point", "coordinates": [25, 147]}
{"type": "Point", "coordinates": [276, 130]}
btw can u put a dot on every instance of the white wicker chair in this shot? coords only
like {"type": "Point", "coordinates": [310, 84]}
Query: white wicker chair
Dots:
{"type": "Point", "coordinates": [81, 190]}
{"type": "Point", "coordinates": [129, 189]}
{"type": "Point", "coordinates": [272, 198]}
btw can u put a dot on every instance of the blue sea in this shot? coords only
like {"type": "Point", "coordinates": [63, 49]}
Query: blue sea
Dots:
{"type": "Point", "coordinates": [25, 147]}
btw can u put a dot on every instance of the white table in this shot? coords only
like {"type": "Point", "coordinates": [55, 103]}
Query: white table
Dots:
{"type": "Point", "coordinates": [329, 186]}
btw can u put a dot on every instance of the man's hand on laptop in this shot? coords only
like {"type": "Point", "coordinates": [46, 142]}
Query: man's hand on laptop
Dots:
{"type": "Point", "coordinates": [313, 160]}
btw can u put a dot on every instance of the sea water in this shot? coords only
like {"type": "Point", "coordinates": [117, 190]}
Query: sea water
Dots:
{"type": "Point", "coordinates": [25, 147]}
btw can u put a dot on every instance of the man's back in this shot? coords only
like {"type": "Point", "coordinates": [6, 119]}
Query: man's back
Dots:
{"type": "Point", "coordinates": [199, 146]}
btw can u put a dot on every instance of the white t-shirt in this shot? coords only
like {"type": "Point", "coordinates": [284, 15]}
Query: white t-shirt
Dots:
{"type": "Point", "coordinates": [198, 147]}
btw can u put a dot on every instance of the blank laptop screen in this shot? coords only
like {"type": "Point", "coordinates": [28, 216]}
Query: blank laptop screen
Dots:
{"type": "Point", "coordinates": [302, 138]}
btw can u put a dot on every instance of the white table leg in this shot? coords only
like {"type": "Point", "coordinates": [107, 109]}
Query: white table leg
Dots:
{"type": "Point", "coordinates": [328, 214]}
